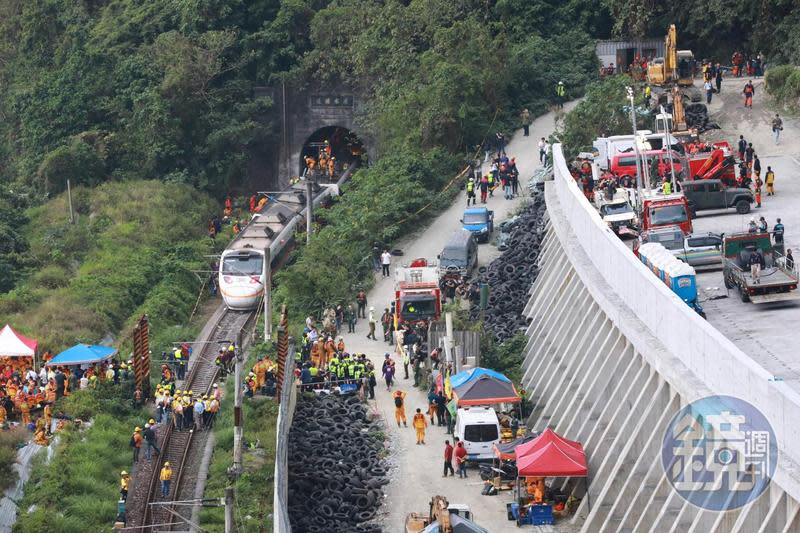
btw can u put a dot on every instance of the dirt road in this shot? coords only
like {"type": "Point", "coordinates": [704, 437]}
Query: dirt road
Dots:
{"type": "Point", "coordinates": [417, 470]}
{"type": "Point", "coordinates": [765, 332]}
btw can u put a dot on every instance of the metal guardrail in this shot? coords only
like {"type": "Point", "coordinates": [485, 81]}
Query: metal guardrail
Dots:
{"type": "Point", "coordinates": [288, 400]}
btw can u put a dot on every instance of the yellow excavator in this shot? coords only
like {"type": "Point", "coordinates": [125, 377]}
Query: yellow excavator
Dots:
{"type": "Point", "coordinates": [439, 512]}
{"type": "Point", "coordinates": [443, 517]}
{"type": "Point", "coordinates": [676, 67]}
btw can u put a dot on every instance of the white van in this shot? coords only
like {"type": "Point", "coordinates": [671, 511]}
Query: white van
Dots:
{"type": "Point", "coordinates": [479, 429]}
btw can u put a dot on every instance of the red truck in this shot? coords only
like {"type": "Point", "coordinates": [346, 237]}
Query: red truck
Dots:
{"type": "Point", "coordinates": [418, 298]}
{"type": "Point", "coordinates": [659, 210]}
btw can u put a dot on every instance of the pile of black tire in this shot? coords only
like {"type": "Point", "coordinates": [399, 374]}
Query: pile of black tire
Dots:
{"type": "Point", "coordinates": [335, 472]}
{"type": "Point", "coordinates": [511, 275]}
{"type": "Point", "coordinates": [697, 117]}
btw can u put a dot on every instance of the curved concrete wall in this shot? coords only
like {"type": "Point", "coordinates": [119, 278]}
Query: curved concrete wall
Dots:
{"type": "Point", "coordinates": [613, 355]}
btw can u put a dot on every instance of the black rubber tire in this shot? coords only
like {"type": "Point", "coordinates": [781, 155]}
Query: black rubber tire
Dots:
{"type": "Point", "coordinates": [743, 295]}
{"type": "Point", "coordinates": [742, 207]}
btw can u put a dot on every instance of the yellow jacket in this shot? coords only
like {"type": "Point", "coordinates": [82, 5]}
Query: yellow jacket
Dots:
{"type": "Point", "coordinates": [166, 473]}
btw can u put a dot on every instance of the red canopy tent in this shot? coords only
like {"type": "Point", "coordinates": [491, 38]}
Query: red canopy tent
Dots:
{"type": "Point", "coordinates": [548, 435]}
{"type": "Point", "coordinates": [550, 455]}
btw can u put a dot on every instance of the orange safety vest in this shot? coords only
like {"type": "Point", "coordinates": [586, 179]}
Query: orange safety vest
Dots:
{"type": "Point", "coordinates": [419, 421]}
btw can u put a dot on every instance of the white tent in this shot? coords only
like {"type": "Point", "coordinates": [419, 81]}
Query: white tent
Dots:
{"type": "Point", "coordinates": [12, 344]}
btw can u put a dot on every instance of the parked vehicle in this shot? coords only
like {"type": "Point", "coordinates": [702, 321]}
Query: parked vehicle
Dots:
{"type": "Point", "coordinates": [459, 256]}
{"type": "Point", "coordinates": [670, 237]}
{"type": "Point", "coordinates": [624, 164]}
{"type": "Point", "coordinates": [418, 298]}
{"type": "Point", "coordinates": [775, 283]}
{"type": "Point", "coordinates": [619, 215]}
{"type": "Point", "coordinates": [660, 210]}
{"type": "Point", "coordinates": [479, 221]}
{"type": "Point", "coordinates": [701, 250]}
{"type": "Point", "coordinates": [714, 194]}
{"type": "Point", "coordinates": [479, 429]}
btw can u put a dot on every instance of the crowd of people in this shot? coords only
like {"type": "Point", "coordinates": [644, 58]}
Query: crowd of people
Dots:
{"type": "Point", "coordinates": [503, 172]}
{"type": "Point", "coordinates": [27, 397]}
{"type": "Point", "coordinates": [323, 164]}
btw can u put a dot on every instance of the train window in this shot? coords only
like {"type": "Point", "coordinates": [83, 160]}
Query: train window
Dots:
{"type": "Point", "coordinates": [242, 265]}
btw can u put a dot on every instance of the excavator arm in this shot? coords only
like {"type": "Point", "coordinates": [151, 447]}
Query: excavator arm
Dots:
{"type": "Point", "coordinates": [441, 513]}
{"type": "Point", "coordinates": [671, 54]}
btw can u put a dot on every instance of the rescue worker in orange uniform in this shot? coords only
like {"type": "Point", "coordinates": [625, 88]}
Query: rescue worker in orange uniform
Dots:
{"type": "Point", "coordinates": [48, 416]}
{"type": "Point", "coordinates": [331, 167]}
{"type": "Point", "coordinates": [330, 350]}
{"type": "Point", "coordinates": [420, 424]}
{"type": "Point", "coordinates": [317, 350]}
{"type": "Point", "coordinates": [24, 409]}
{"type": "Point", "coordinates": [261, 373]}
{"type": "Point", "coordinates": [400, 407]}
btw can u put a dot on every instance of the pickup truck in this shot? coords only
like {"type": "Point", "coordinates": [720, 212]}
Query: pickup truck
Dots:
{"type": "Point", "coordinates": [703, 251]}
{"type": "Point", "coordinates": [479, 221]}
{"type": "Point", "coordinates": [775, 284]}
{"type": "Point", "coordinates": [714, 194]}
{"type": "Point", "coordinates": [619, 215]}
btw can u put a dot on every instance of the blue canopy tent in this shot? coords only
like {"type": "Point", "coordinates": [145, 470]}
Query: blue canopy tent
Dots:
{"type": "Point", "coordinates": [468, 375]}
{"type": "Point", "coordinates": [82, 354]}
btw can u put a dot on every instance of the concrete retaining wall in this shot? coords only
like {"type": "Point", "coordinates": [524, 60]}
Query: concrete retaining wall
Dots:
{"type": "Point", "coordinates": [613, 355]}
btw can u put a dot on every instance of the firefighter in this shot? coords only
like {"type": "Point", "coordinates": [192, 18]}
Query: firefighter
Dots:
{"type": "Point", "coordinates": [770, 181]}
{"type": "Point", "coordinates": [561, 93]}
{"type": "Point", "coordinates": [331, 167]}
{"type": "Point", "coordinates": [124, 482]}
{"type": "Point", "coordinates": [471, 190]}
{"type": "Point", "coordinates": [400, 407]}
{"type": "Point", "coordinates": [419, 425]}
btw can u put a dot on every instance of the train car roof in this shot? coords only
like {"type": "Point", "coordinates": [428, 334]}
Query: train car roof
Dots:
{"type": "Point", "coordinates": [262, 228]}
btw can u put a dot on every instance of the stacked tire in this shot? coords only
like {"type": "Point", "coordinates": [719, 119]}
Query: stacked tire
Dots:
{"type": "Point", "coordinates": [697, 117]}
{"type": "Point", "coordinates": [511, 275]}
{"type": "Point", "coordinates": [336, 473]}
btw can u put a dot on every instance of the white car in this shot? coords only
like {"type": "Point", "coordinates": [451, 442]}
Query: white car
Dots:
{"type": "Point", "coordinates": [619, 215]}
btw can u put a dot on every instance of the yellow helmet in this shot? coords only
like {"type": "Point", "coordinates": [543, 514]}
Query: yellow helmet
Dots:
{"type": "Point", "coordinates": [166, 463]}
{"type": "Point", "coordinates": [151, 421]}
{"type": "Point", "coordinates": [123, 473]}
{"type": "Point", "coordinates": [137, 428]}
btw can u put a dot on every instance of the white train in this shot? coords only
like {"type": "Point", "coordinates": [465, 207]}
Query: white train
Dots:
{"type": "Point", "coordinates": [242, 270]}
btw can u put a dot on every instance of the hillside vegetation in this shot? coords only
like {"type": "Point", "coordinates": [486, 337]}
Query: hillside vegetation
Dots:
{"type": "Point", "coordinates": [131, 251]}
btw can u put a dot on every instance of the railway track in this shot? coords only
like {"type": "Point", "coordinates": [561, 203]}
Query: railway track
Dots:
{"type": "Point", "coordinates": [147, 510]}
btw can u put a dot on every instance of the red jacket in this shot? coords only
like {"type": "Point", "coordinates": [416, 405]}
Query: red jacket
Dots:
{"type": "Point", "coordinates": [448, 453]}
{"type": "Point", "coordinates": [461, 452]}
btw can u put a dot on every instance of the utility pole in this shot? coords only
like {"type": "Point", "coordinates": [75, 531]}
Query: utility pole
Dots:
{"type": "Point", "coordinates": [237, 411]}
{"type": "Point", "coordinates": [638, 157]}
{"type": "Point", "coordinates": [230, 523]}
{"type": "Point", "coordinates": [267, 294]}
{"type": "Point", "coordinates": [69, 199]}
{"type": "Point", "coordinates": [309, 206]}
{"type": "Point", "coordinates": [668, 145]}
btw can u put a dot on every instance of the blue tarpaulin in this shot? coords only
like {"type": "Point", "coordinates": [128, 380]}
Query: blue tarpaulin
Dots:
{"type": "Point", "coordinates": [82, 354]}
{"type": "Point", "coordinates": [468, 375]}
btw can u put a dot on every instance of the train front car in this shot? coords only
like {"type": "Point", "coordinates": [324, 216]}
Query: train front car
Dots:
{"type": "Point", "coordinates": [241, 278]}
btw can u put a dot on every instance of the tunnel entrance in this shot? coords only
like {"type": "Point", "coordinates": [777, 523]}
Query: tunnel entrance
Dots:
{"type": "Point", "coordinates": [331, 142]}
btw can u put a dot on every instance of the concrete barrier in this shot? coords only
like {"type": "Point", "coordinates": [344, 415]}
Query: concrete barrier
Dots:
{"type": "Point", "coordinates": [711, 357]}
{"type": "Point", "coordinates": [612, 356]}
